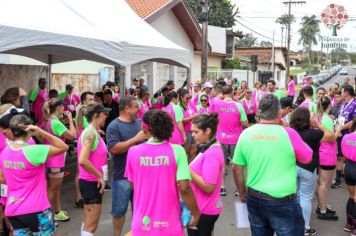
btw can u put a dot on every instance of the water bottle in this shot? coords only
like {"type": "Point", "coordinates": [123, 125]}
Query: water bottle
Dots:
{"type": "Point", "coordinates": [186, 217]}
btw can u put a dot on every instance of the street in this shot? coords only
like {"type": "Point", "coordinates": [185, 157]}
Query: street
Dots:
{"type": "Point", "coordinates": [226, 223]}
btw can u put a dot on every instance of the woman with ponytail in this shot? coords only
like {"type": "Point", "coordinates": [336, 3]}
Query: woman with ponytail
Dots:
{"type": "Point", "coordinates": [327, 159]}
{"type": "Point", "coordinates": [175, 112]}
{"type": "Point", "coordinates": [158, 172]}
{"type": "Point", "coordinates": [207, 171]}
{"type": "Point", "coordinates": [93, 169]}
{"type": "Point", "coordinates": [53, 112]}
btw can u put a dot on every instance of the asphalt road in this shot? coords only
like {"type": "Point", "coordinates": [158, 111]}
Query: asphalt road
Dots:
{"type": "Point", "coordinates": [226, 223]}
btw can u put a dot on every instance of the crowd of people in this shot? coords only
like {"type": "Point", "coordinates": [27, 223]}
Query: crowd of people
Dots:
{"type": "Point", "coordinates": [169, 155]}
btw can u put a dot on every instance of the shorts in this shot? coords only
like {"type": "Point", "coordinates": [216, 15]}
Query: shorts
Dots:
{"type": "Point", "coordinates": [327, 167]}
{"type": "Point", "coordinates": [251, 118]}
{"type": "Point", "coordinates": [350, 173]}
{"type": "Point", "coordinates": [228, 150]}
{"type": "Point", "coordinates": [339, 151]}
{"type": "Point", "coordinates": [121, 196]}
{"type": "Point", "coordinates": [36, 224]}
{"type": "Point", "coordinates": [190, 139]}
{"type": "Point", "coordinates": [90, 192]}
{"type": "Point", "coordinates": [55, 172]}
{"type": "Point", "coordinates": [205, 226]}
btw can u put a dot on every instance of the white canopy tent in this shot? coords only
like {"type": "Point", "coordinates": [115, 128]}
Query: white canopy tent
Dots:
{"type": "Point", "coordinates": [106, 31]}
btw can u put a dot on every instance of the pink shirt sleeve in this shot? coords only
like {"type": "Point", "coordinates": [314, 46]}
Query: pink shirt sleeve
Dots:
{"type": "Point", "coordinates": [211, 170]}
{"type": "Point", "coordinates": [303, 152]}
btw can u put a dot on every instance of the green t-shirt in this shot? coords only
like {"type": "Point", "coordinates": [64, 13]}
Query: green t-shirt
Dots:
{"type": "Point", "coordinates": [279, 94]}
{"type": "Point", "coordinates": [183, 172]}
{"type": "Point", "coordinates": [314, 93]}
{"type": "Point", "coordinates": [178, 113]}
{"type": "Point", "coordinates": [268, 153]}
{"type": "Point", "coordinates": [327, 123]}
{"type": "Point", "coordinates": [62, 95]}
{"type": "Point", "coordinates": [58, 128]}
{"type": "Point", "coordinates": [34, 94]}
{"type": "Point", "coordinates": [36, 154]}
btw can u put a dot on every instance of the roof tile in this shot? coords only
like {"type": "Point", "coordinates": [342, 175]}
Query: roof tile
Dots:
{"type": "Point", "coordinates": [145, 8]}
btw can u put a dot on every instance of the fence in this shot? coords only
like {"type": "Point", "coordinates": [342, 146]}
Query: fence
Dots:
{"type": "Point", "coordinates": [240, 75]}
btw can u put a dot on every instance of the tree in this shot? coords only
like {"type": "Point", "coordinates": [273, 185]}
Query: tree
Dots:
{"type": "Point", "coordinates": [265, 44]}
{"type": "Point", "coordinates": [231, 64]}
{"type": "Point", "coordinates": [338, 54]}
{"type": "Point", "coordinates": [222, 13]}
{"type": "Point", "coordinates": [247, 41]}
{"type": "Point", "coordinates": [308, 34]}
{"type": "Point", "coordinates": [285, 20]}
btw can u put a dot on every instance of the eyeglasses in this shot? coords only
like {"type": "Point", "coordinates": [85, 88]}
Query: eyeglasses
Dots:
{"type": "Point", "coordinates": [188, 98]}
{"type": "Point", "coordinates": [204, 100]}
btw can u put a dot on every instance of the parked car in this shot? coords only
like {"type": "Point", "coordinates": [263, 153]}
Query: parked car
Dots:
{"type": "Point", "coordinates": [343, 72]}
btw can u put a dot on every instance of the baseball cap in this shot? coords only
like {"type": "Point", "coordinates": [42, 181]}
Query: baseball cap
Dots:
{"type": "Point", "coordinates": [101, 108]}
{"type": "Point", "coordinates": [208, 85]}
{"type": "Point", "coordinates": [69, 87]}
{"type": "Point", "coordinates": [7, 111]}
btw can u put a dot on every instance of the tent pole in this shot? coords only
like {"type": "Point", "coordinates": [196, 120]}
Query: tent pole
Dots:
{"type": "Point", "coordinates": [49, 70]}
{"type": "Point", "coordinates": [121, 71]}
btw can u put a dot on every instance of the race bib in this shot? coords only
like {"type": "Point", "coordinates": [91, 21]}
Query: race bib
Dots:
{"type": "Point", "coordinates": [105, 172]}
{"type": "Point", "coordinates": [3, 190]}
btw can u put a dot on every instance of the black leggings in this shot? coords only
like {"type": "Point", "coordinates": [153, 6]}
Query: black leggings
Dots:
{"type": "Point", "coordinates": [350, 172]}
{"type": "Point", "coordinates": [205, 226]}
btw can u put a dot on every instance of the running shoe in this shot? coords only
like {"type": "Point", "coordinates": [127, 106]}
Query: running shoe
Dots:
{"type": "Point", "coordinates": [328, 216]}
{"type": "Point", "coordinates": [348, 228]}
{"type": "Point", "coordinates": [336, 184]}
{"type": "Point", "coordinates": [328, 209]}
{"type": "Point", "coordinates": [79, 203]}
{"type": "Point", "coordinates": [309, 232]}
{"type": "Point", "coordinates": [61, 216]}
{"type": "Point", "coordinates": [223, 192]}
{"type": "Point", "coordinates": [237, 193]}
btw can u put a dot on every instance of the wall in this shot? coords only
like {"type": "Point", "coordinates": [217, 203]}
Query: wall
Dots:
{"type": "Point", "coordinates": [81, 82]}
{"type": "Point", "coordinates": [21, 76]}
{"type": "Point", "coordinates": [214, 63]}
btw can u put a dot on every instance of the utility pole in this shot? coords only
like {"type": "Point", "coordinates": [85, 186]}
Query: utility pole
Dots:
{"type": "Point", "coordinates": [204, 52]}
{"type": "Point", "coordinates": [289, 3]}
{"type": "Point", "coordinates": [282, 29]}
{"type": "Point", "coordinates": [273, 57]}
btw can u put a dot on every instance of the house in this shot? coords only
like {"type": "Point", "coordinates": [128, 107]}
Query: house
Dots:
{"type": "Point", "coordinates": [265, 60]}
{"type": "Point", "coordinates": [175, 20]}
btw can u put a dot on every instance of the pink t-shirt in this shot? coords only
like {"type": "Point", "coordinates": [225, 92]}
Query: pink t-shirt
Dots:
{"type": "Point", "coordinates": [25, 175]}
{"type": "Point", "coordinates": [250, 106]}
{"type": "Point", "coordinates": [327, 150]}
{"type": "Point", "coordinates": [142, 109]}
{"type": "Point", "coordinates": [2, 141]}
{"type": "Point", "coordinates": [291, 88]}
{"type": "Point", "coordinates": [310, 105]}
{"type": "Point", "coordinates": [41, 98]}
{"type": "Point", "coordinates": [348, 146]}
{"type": "Point", "coordinates": [189, 111]}
{"type": "Point", "coordinates": [98, 155]}
{"type": "Point", "coordinates": [154, 169]}
{"type": "Point", "coordinates": [231, 113]}
{"type": "Point", "coordinates": [116, 97]}
{"type": "Point", "coordinates": [176, 114]}
{"type": "Point", "coordinates": [57, 128]}
{"type": "Point", "coordinates": [72, 100]}
{"type": "Point", "coordinates": [209, 165]}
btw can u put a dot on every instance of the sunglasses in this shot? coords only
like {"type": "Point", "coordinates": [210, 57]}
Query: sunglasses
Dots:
{"type": "Point", "coordinates": [203, 100]}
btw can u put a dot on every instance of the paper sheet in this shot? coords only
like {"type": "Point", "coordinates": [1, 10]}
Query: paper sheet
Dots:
{"type": "Point", "coordinates": [241, 214]}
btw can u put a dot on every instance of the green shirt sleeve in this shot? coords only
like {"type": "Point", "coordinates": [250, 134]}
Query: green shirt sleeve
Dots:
{"type": "Point", "coordinates": [96, 141]}
{"type": "Point", "coordinates": [36, 154]}
{"type": "Point", "coordinates": [241, 109]}
{"type": "Point", "coordinates": [34, 94]}
{"type": "Point", "coordinates": [62, 95]}
{"type": "Point", "coordinates": [178, 113]}
{"type": "Point", "coordinates": [328, 123]}
{"type": "Point", "coordinates": [183, 172]}
{"type": "Point", "coordinates": [58, 128]}
{"type": "Point", "coordinates": [239, 158]}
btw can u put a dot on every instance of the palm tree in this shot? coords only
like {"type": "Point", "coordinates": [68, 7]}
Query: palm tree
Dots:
{"type": "Point", "coordinates": [285, 20]}
{"type": "Point", "coordinates": [308, 32]}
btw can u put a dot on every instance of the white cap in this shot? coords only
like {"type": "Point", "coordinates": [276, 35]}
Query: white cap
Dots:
{"type": "Point", "coordinates": [6, 109]}
{"type": "Point", "coordinates": [208, 85]}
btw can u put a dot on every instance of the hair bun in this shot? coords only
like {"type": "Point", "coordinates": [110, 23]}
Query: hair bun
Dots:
{"type": "Point", "coordinates": [214, 115]}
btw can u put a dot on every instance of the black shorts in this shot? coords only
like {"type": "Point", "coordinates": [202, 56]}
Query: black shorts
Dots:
{"type": "Point", "coordinates": [350, 173]}
{"type": "Point", "coordinates": [205, 226]}
{"type": "Point", "coordinates": [90, 192]}
{"type": "Point", "coordinates": [251, 118]}
{"type": "Point", "coordinates": [339, 152]}
{"type": "Point", "coordinates": [327, 167]}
